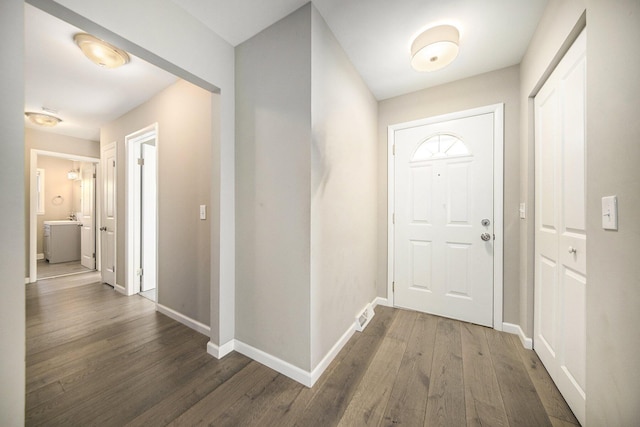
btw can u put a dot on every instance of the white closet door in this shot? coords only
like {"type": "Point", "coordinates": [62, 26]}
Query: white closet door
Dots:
{"type": "Point", "coordinates": [560, 234]}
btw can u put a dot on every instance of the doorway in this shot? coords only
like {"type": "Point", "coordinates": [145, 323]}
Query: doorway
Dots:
{"type": "Point", "coordinates": [142, 211]}
{"type": "Point", "coordinates": [445, 211]}
{"type": "Point", "coordinates": [62, 232]}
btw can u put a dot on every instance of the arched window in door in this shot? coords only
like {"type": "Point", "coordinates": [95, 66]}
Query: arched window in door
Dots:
{"type": "Point", "coordinates": [440, 146]}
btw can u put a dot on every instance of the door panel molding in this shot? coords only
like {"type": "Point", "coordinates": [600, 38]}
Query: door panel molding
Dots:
{"type": "Point", "coordinates": [498, 192]}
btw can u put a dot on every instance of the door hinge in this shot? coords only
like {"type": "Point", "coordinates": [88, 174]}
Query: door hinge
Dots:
{"type": "Point", "coordinates": [139, 272]}
{"type": "Point", "coordinates": [393, 149]}
{"type": "Point", "coordinates": [113, 268]}
{"type": "Point", "coordinates": [93, 255]}
{"type": "Point", "coordinates": [141, 162]}
{"type": "Point", "coordinates": [393, 286]}
{"type": "Point", "coordinates": [494, 237]}
{"type": "Point", "coordinates": [114, 163]}
{"type": "Point", "coordinates": [94, 176]}
{"type": "Point", "coordinates": [393, 218]}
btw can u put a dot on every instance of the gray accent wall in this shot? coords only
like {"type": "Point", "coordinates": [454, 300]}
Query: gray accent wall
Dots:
{"type": "Point", "coordinates": [12, 223]}
{"type": "Point", "coordinates": [343, 191]}
{"type": "Point", "coordinates": [495, 87]}
{"type": "Point", "coordinates": [183, 113]}
{"type": "Point", "coordinates": [613, 156]}
{"type": "Point", "coordinates": [273, 189]}
{"type": "Point", "coordinates": [305, 188]}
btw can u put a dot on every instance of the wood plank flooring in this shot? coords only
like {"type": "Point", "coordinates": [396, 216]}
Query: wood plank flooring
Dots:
{"type": "Point", "coordinates": [95, 357]}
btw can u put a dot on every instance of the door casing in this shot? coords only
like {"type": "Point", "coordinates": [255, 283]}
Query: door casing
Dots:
{"type": "Point", "coordinates": [133, 246]}
{"type": "Point", "coordinates": [498, 192]}
{"type": "Point", "coordinates": [33, 205]}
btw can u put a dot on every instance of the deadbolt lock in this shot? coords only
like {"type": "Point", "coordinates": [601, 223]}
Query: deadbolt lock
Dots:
{"type": "Point", "coordinates": [485, 222]}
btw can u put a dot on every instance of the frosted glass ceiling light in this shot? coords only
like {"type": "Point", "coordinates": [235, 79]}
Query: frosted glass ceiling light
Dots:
{"type": "Point", "coordinates": [42, 119]}
{"type": "Point", "coordinates": [101, 52]}
{"type": "Point", "coordinates": [435, 48]}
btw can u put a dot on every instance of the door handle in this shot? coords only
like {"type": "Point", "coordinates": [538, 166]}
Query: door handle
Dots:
{"type": "Point", "coordinates": [485, 236]}
{"type": "Point", "coordinates": [103, 228]}
{"type": "Point", "coordinates": [572, 250]}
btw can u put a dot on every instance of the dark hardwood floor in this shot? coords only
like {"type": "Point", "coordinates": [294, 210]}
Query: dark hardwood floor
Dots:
{"type": "Point", "coordinates": [95, 357]}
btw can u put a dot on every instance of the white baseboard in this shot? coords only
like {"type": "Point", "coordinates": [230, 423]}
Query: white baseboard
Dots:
{"type": "Point", "coordinates": [39, 256]}
{"type": "Point", "coordinates": [185, 320]}
{"type": "Point", "coordinates": [517, 330]}
{"type": "Point", "coordinates": [220, 351]}
{"type": "Point", "coordinates": [381, 301]}
{"type": "Point", "coordinates": [317, 372]}
{"type": "Point", "coordinates": [279, 365]}
{"type": "Point", "coordinates": [120, 289]}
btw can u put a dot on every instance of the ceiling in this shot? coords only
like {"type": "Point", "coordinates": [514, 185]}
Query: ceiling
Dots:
{"type": "Point", "coordinates": [59, 77]}
{"type": "Point", "coordinates": [376, 35]}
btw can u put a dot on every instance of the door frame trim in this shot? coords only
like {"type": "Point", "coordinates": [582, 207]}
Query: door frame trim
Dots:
{"type": "Point", "coordinates": [133, 196]}
{"type": "Point", "coordinates": [33, 203]}
{"type": "Point", "coordinates": [498, 198]}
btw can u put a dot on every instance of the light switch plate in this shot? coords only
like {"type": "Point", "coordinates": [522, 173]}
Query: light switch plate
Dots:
{"type": "Point", "coordinates": [610, 213]}
{"type": "Point", "coordinates": [523, 211]}
{"type": "Point", "coordinates": [203, 211]}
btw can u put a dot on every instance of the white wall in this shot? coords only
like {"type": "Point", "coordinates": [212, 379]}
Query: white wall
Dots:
{"type": "Point", "coordinates": [499, 86]}
{"type": "Point", "coordinates": [273, 130]}
{"type": "Point", "coordinates": [343, 192]}
{"type": "Point", "coordinates": [613, 153]}
{"type": "Point", "coordinates": [184, 145]}
{"type": "Point", "coordinates": [164, 34]}
{"type": "Point", "coordinates": [12, 223]}
{"type": "Point", "coordinates": [560, 24]}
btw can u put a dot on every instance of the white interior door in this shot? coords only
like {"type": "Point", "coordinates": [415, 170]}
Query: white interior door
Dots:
{"type": "Point", "coordinates": [148, 217]}
{"type": "Point", "coordinates": [560, 236]}
{"type": "Point", "coordinates": [444, 235]}
{"type": "Point", "coordinates": [108, 217]}
{"type": "Point", "coordinates": [87, 217]}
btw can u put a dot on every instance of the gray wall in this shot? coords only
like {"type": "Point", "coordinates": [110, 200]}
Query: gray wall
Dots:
{"type": "Point", "coordinates": [306, 196]}
{"type": "Point", "coordinates": [46, 141]}
{"type": "Point", "coordinates": [273, 154]}
{"type": "Point", "coordinates": [12, 224]}
{"type": "Point", "coordinates": [343, 192]}
{"type": "Point", "coordinates": [183, 113]}
{"type": "Point", "coordinates": [485, 89]}
{"type": "Point", "coordinates": [613, 153]}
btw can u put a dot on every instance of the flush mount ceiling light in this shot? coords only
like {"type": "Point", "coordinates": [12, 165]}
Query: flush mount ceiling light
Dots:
{"type": "Point", "coordinates": [42, 119]}
{"type": "Point", "coordinates": [100, 52]}
{"type": "Point", "coordinates": [435, 48]}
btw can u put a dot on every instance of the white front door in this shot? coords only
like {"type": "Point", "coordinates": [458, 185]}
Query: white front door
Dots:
{"type": "Point", "coordinates": [444, 220]}
{"type": "Point", "coordinates": [108, 217]}
{"type": "Point", "coordinates": [87, 234]}
{"type": "Point", "coordinates": [560, 236]}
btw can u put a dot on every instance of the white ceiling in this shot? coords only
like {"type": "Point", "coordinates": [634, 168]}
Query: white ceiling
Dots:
{"type": "Point", "coordinates": [58, 76]}
{"type": "Point", "coordinates": [376, 35]}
